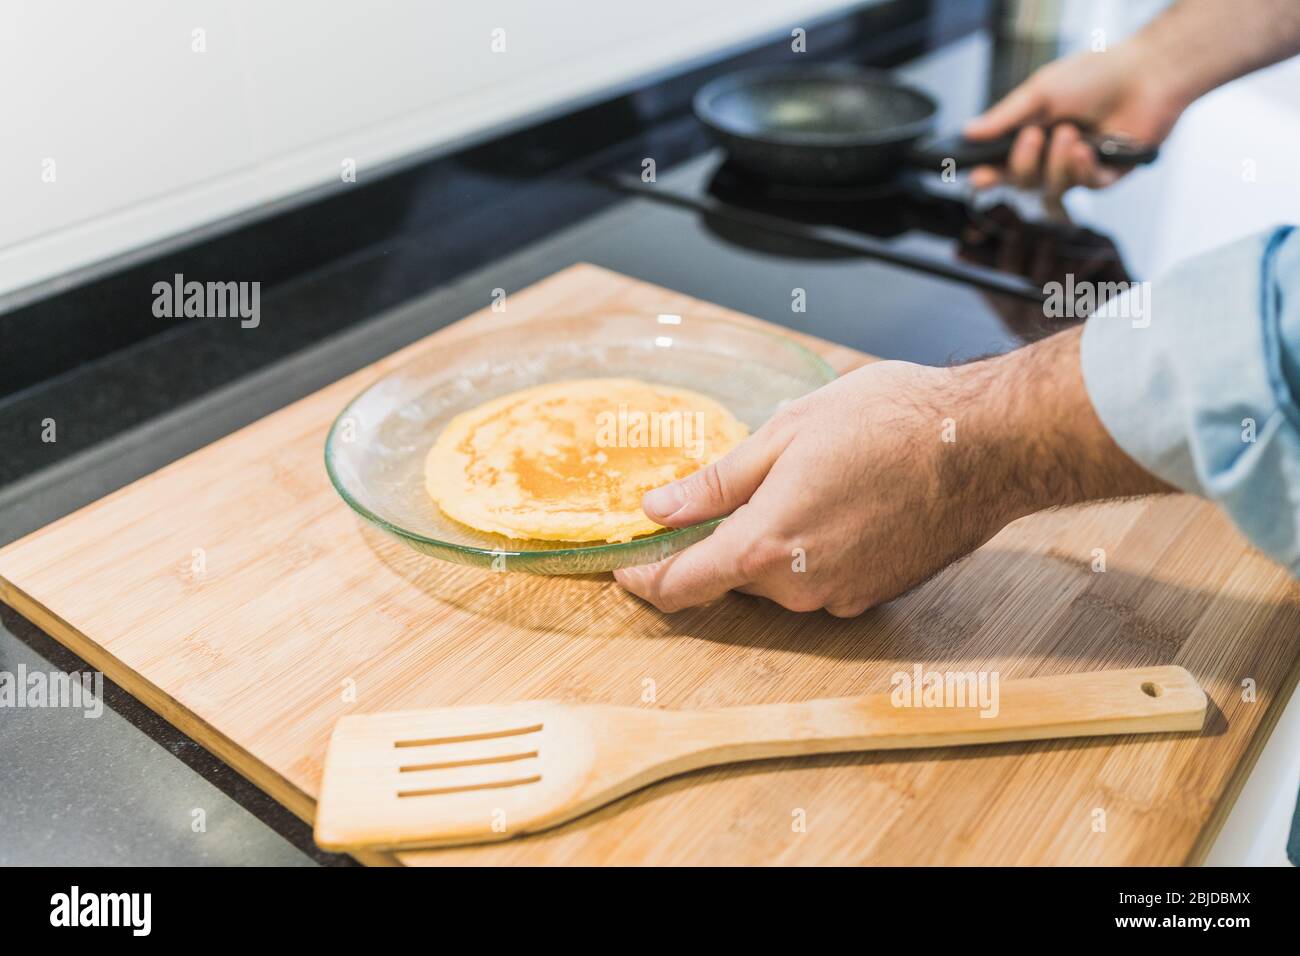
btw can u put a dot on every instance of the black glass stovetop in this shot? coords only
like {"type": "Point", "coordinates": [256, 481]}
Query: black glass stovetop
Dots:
{"type": "Point", "coordinates": [929, 240]}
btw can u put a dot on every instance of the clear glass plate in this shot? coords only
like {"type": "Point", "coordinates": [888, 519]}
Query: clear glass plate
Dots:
{"type": "Point", "coordinates": [376, 447]}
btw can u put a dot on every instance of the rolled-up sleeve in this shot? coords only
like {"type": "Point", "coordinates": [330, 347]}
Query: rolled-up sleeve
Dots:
{"type": "Point", "coordinates": [1196, 378]}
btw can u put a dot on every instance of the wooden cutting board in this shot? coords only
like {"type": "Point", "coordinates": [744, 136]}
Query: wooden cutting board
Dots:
{"type": "Point", "coordinates": [299, 613]}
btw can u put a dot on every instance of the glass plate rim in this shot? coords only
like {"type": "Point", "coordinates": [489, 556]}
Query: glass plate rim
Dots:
{"type": "Point", "coordinates": [822, 367]}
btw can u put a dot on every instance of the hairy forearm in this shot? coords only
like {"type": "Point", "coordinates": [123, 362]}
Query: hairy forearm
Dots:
{"type": "Point", "coordinates": [1034, 440]}
{"type": "Point", "coordinates": [1197, 45]}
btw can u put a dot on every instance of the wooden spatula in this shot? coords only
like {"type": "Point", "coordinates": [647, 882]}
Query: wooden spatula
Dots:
{"type": "Point", "coordinates": [428, 778]}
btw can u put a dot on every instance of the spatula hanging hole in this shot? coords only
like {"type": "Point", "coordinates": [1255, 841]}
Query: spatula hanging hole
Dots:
{"type": "Point", "coordinates": [1152, 690]}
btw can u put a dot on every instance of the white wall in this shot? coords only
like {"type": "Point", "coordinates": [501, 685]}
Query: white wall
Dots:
{"type": "Point", "coordinates": [149, 137]}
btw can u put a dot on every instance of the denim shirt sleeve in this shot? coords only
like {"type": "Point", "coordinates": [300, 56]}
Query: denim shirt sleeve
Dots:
{"type": "Point", "coordinates": [1196, 378]}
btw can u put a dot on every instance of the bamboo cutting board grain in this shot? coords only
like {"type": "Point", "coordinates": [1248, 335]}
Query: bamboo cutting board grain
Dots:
{"type": "Point", "coordinates": [299, 613]}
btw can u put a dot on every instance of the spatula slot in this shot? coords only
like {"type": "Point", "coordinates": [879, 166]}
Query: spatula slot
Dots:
{"type": "Point", "coordinates": [494, 785]}
{"type": "Point", "coordinates": [468, 762]}
{"type": "Point", "coordinates": [489, 735]}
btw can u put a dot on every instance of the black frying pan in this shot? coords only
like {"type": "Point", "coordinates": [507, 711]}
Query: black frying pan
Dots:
{"type": "Point", "coordinates": [841, 125]}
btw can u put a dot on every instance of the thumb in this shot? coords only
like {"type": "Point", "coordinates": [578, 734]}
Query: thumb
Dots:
{"type": "Point", "coordinates": [717, 489]}
{"type": "Point", "coordinates": [1018, 108]}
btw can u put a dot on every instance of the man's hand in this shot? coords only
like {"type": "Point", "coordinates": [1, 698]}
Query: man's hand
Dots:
{"type": "Point", "coordinates": [868, 486]}
{"type": "Point", "coordinates": [1138, 89]}
{"type": "Point", "coordinates": [1116, 93]}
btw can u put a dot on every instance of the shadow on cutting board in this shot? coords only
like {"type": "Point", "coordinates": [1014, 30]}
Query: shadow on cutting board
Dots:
{"type": "Point", "coordinates": [1018, 612]}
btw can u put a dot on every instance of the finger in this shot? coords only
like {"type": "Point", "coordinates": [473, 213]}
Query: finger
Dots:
{"type": "Point", "coordinates": [982, 177]}
{"type": "Point", "coordinates": [1058, 166]}
{"type": "Point", "coordinates": [1108, 176]}
{"type": "Point", "coordinates": [717, 489]}
{"type": "Point", "coordinates": [702, 573]}
{"type": "Point", "coordinates": [1022, 105]}
{"type": "Point", "coordinates": [850, 609]}
{"type": "Point", "coordinates": [758, 589]}
{"type": "Point", "coordinates": [1083, 164]}
{"type": "Point", "coordinates": [791, 596]}
{"type": "Point", "coordinates": [1089, 170]}
{"type": "Point", "coordinates": [1025, 160]}
{"type": "Point", "coordinates": [781, 583]}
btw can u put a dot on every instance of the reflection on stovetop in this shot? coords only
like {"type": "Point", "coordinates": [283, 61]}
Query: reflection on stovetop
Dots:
{"type": "Point", "coordinates": [883, 210]}
{"type": "Point", "coordinates": [906, 207]}
{"type": "Point", "coordinates": [1043, 252]}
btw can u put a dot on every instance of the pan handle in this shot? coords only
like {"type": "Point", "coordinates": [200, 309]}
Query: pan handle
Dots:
{"type": "Point", "coordinates": [1113, 150]}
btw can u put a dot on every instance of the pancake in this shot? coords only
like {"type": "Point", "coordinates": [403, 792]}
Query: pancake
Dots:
{"type": "Point", "coordinates": [569, 461]}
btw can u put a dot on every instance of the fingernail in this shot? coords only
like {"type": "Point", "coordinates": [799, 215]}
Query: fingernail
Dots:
{"type": "Point", "coordinates": [664, 502]}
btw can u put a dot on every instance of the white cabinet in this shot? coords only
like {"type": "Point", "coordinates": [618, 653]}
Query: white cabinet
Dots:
{"type": "Point", "coordinates": [155, 129]}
